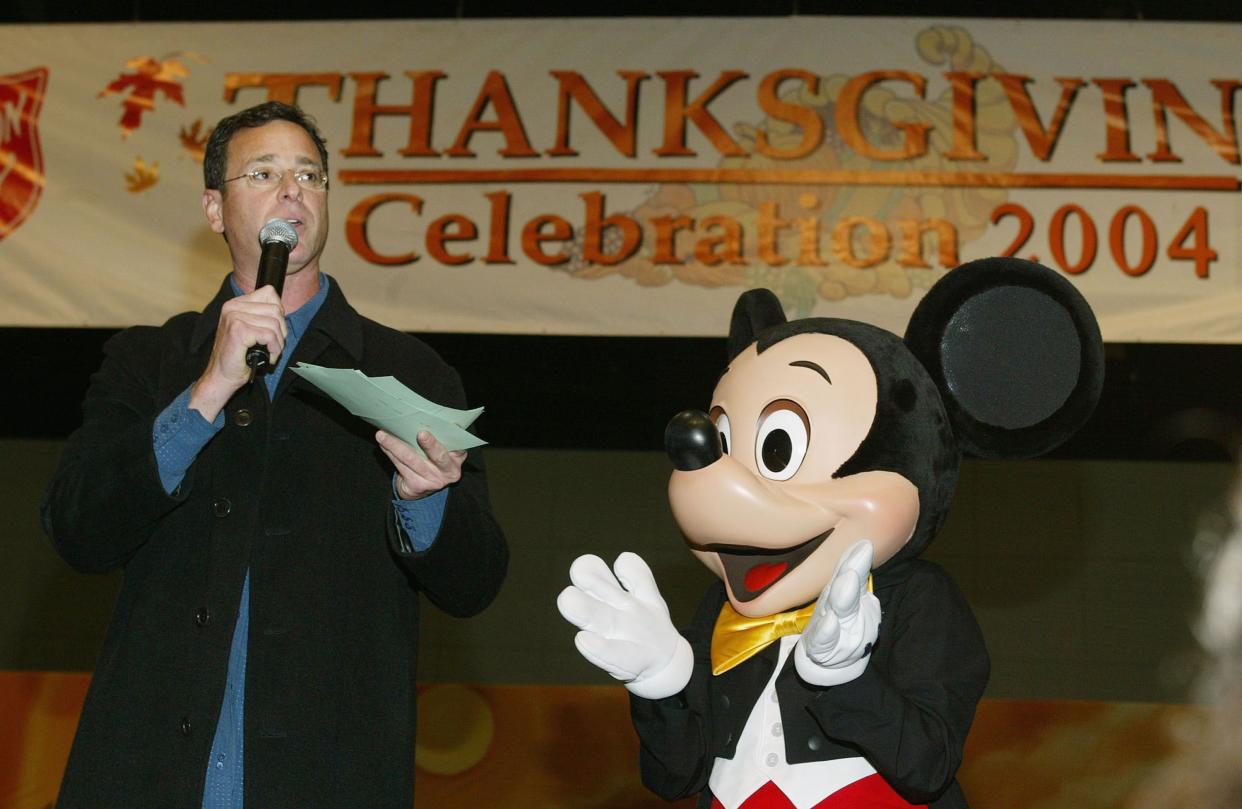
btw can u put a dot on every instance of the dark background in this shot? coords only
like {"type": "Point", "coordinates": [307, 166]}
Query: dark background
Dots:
{"type": "Point", "coordinates": [1161, 402]}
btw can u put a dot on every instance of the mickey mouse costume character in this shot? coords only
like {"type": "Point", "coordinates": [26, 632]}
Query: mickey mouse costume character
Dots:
{"type": "Point", "coordinates": [830, 667]}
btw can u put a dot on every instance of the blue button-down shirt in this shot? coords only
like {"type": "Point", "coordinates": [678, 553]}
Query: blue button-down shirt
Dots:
{"type": "Point", "coordinates": [178, 436]}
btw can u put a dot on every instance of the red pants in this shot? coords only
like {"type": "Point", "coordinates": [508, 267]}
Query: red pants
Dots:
{"type": "Point", "coordinates": [872, 792]}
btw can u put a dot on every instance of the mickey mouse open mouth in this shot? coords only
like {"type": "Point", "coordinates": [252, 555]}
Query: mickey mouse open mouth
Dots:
{"type": "Point", "coordinates": [750, 571]}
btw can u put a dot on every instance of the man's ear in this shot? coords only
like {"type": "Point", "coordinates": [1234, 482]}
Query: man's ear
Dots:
{"type": "Point", "coordinates": [212, 199]}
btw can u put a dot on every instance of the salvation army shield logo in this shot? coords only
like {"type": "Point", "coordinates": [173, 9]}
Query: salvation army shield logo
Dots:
{"type": "Point", "coordinates": [21, 161]}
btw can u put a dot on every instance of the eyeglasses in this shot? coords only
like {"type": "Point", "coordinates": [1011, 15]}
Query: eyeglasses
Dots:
{"type": "Point", "coordinates": [312, 179]}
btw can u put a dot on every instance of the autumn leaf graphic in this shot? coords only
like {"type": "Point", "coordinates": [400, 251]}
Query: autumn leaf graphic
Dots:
{"type": "Point", "coordinates": [143, 176]}
{"type": "Point", "coordinates": [194, 139]}
{"type": "Point", "coordinates": [148, 78]}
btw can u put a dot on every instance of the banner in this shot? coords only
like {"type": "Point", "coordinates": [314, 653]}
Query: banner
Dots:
{"type": "Point", "coordinates": [633, 176]}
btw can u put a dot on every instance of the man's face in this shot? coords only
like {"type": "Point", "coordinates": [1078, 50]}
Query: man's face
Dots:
{"type": "Point", "coordinates": [239, 210]}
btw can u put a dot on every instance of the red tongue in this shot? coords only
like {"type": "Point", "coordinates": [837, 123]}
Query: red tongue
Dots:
{"type": "Point", "coordinates": [761, 576]}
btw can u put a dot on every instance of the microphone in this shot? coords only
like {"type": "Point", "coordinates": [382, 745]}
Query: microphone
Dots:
{"type": "Point", "coordinates": [277, 238]}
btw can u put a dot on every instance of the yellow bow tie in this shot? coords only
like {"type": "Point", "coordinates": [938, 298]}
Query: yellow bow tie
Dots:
{"type": "Point", "coordinates": [737, 637]}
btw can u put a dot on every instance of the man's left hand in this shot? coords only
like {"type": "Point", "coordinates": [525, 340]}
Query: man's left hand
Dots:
{"type": "Point", "coordinates": [418, 477]}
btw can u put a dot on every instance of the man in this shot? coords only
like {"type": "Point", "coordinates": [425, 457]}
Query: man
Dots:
{"type": "Point", "coordinates": [262, 652]}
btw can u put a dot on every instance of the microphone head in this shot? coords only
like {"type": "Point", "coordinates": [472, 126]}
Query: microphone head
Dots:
{"type": "Point", "coordinates": [278, 230]}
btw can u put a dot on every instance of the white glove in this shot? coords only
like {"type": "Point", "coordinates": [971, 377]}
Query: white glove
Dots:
{"type": "Point", "coordinates": [626, 631]}
{"type": "Point", "coordinates": [836, 643]}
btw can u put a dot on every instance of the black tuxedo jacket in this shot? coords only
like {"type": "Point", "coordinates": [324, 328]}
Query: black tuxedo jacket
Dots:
{"type": "Point", "coordinates": [908, 713]}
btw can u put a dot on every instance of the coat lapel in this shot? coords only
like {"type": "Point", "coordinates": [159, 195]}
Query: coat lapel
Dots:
{"type": "Point", "coordinates": [336, 323]}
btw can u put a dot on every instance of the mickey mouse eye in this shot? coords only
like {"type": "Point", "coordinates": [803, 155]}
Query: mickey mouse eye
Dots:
{"type": "Point", "coordinates": [784, 432]}
{"type": "Point", "coordinates": [721, 419]}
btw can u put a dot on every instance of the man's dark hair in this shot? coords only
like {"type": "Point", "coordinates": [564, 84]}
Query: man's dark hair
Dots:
{"type": "Point", "coordinates": [215, 156]}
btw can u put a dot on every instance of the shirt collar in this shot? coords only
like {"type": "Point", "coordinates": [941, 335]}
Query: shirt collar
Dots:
{"type": "Point", "coordinates": [302, 316]}
{"type": "Point", "coordinates": [335, 318]}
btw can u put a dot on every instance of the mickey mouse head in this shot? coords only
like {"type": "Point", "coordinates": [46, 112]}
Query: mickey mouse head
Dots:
{"type": "Point", "coordinates": [823, 432]}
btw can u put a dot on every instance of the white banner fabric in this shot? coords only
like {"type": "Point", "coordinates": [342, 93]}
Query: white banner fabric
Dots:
{"type": "Point", "coordinates": [633, 176]}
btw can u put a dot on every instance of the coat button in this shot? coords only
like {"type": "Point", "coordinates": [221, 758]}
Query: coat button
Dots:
{"type": "Point", "coordinates": [222, 507]}
{"type": "Point", "coordinates": [186, 727]}
{"type": "Point", "coordinates": [243, 417]}
{"type": "Point", "coordinates": [815, 743]}
{"type": "Point", "coordinates": [724, 701]}
{"type": "Point", "coordinates": [203, 616]}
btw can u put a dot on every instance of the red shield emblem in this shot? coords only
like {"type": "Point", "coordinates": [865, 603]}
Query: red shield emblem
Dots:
{"type": "Point", "coordinates": [21, 161]}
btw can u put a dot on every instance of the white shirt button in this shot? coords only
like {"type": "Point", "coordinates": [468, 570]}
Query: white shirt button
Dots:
{"type": "Point", "coordinates": [772, 760]}
{"type": "Point", "coordinates": [777, 730]}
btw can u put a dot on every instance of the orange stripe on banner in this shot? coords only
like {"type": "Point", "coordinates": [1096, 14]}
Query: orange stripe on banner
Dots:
{"type": "Point", "coordinates": [1154, 182]}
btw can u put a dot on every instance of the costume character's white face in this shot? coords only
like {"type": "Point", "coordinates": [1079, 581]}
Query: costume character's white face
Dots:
{"type": "Point", "coordinates": [768, 517]}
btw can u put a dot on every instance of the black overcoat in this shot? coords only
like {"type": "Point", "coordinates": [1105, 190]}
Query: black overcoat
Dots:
{"type": "Point", "coordinates": [297, 491]}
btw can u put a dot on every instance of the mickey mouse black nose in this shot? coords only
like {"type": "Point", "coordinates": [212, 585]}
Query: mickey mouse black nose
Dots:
{"type": "Point", "coordinates": [692, 441]}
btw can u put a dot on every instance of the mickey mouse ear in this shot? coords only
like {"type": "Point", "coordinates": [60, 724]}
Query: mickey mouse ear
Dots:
{"type": "Point", "coordinates": [1016, 353]}
{"type": "Point", "coordinates": [755, 310]}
